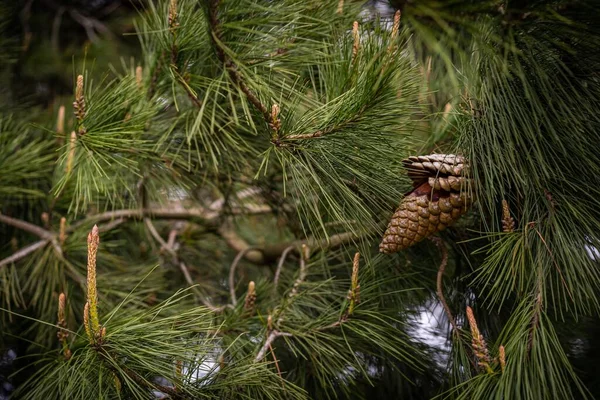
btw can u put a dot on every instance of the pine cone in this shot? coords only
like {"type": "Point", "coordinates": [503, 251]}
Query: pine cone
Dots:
{"type": "Point", "coordinates": [439, 198]}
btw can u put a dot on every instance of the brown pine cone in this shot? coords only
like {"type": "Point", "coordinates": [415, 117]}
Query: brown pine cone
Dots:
{"type": "Point", "coordinates": [439, 199]}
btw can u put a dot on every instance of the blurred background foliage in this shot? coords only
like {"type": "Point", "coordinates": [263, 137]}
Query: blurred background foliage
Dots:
{"type": "Point", "coordinates": [46, 41]}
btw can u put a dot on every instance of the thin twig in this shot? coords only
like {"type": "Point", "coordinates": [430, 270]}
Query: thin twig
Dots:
{"type": "Point", "coordinates": [304, 254]}
{"type": "Point", "coordinates": [232, 269]}
{"type": "Point", "coordinates": [277, 366]}
{"type": "Point", "coordinates": [171, 239]}
{"type": "Point", "coordinates": [562, 279]}
{"type": "Point", "coordinates": [25, 251]}
{"type": "Point", "coordinates": [299, 281]}
{"type": "Point", "coordinates": [240, 245]}
{"type": "Point", "coordinates": [170, 248]}
{"type": "Point", "coordinates": [322, 132]}
{"type": "Point", "coordinates": [91, 25]}
{"type": "Point", "coordinates": [54, 37]}
{"type": "Point", "coordinates": [539, 299]}
{"type": "Point", "coordinates": [28, 227]}
{"type": "Point", "coordinates": [156, 235]}
{"type": "Point", "coordinates": [274, 251]}
{"type": "Point", "coordinates": [186, 273]}
{"type": "Point", "coordinates": [440, 280]}
{"type": "Point", "coordinates": [188, 90]}
{"type": "Point", "coordinates": [333, 325]}
{"type": "Point", "coordinates": [111, 225]}
{"type": "Point", "coordinates": [311, 135]}
{"type": "Point", "coordinates": [163, 213]}
{"type": "Point", "coordinates": [274, 334]}
{"type": "Point", "coordinates": [280, 264]}
{"type": "Point", "coordinates": [56, 246]}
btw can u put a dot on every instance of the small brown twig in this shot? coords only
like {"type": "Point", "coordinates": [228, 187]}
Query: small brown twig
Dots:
{"type": "Point", "coordinates": [274, 334]}
{"type": "Point", "coordinates": [160, 213]}
{"type": "Point", "coordinates": [276, 361]}
{"type": "Point", "coordinates": [24, 252]}
{"type": "Point", "coordinates": [91, 25]}
{"type": "Point", "coordinates": [328, 130]}
{"type": "Point", "coordinates": [28, 227]}
{"type": "Point", "coordinates": [335, 324]}
{"type": "Point", "coordinates": [169, 247]}
{"type": "Point", "coordinates": [232, 269]}
{"type": "Point", "coordinates": [284, 255]}
{"type": "Point", "coordinates": [536, 317]}
{"type": "Point", "coordinates": [562, 279]}
{"type": "Point", "coordinates": [440, 281]}
{"type": "Point", "coordinates": [301, 274]}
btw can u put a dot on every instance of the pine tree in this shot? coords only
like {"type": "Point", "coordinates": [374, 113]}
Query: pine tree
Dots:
{"type": "Point", "coordinates": [205, 222]}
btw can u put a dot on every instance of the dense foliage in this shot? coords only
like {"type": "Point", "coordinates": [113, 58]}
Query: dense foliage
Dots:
{"type": "Point", "coordinates": [203, 221]}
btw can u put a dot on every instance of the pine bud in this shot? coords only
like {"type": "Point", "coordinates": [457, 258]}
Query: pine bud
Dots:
{"type": "Point", "coordinates": [60, 121]}
{"type": "Point", "coordinates": [178, 373]}
{"type": "Point", "coordinates": [396, 25]}
{"type": "Point", "coordinates": [502, 358]}
{"type": "Point", "coordinates": [61, 309]}
{"type": "Point", "coordinates": [340, 7]}
{"type": "Point", "coordinates": [86, 322]}
{"type": "Point", "coordinates": [92, 295]}
{"type": "Point", "coordinates": [478, 343]}
{"type": "Point", "coordinates": [71, 154]}
{"type": "Point", "coordinates": [117, 382]}
{"type": "Point", "coordinates": [250, 297]}
{"type": "Point", "coordinates": [356, 36]}
{"type": "Point", "coordinates": [275, 123]}
{"type": "Point", "coordinates": [45, 219]}
{"type": "Point", "coordinates": [173, 16]}
{"type": "Point", "coordinates": [63, 333]}
{"type": "Point", "coordinates": [14, 244]}
{"type": "Point", "coordinates": [305, 252]}
{"type": "Point", "coordinates": [354, 292]}
{"type": "Point", "coordinates": [62, 233]}
{"type": "Point", "coordinates": [79, 104]}
{"type": "Point", "coordinates": [139, 76]}
{"type": "Point", "coordinates": [508, 223]}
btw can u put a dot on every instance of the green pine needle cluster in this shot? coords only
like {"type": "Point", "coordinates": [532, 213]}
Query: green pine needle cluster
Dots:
{"type": "Point", "coordinates": [237, 169]}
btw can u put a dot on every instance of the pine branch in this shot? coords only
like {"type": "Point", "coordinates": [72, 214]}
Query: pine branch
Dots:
{"type": "Point", "coordinates": [206, 216]}
{"type": "Point", "coordinates": [28, 227]}
{"type": "Point", "coordinates": [273, 335]}
{"type": "Point", "coordinates": [272, 252]}
{"type": "Point", "coordinates": [230, 66]}
{"type": "Point", "coordinates": [108, 361]}
{"type": "Point", "coordinates": [323, 132]}
{"type": "Point", "coordinates": [173, 25]}
{"type": "Point", "coordinates": [24, 252]}
{"type": "Point", "coordinates": [237, 243]}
